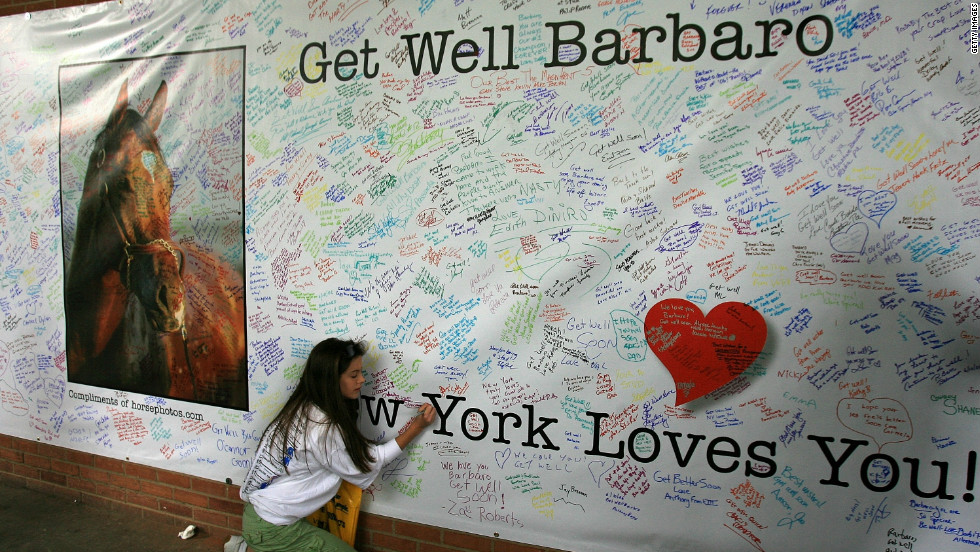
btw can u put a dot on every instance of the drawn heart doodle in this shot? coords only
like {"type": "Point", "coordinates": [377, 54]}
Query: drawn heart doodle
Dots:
{"type": "Point", "coordinates": [884, 420]}
{"type": "Point", "coordinates": [851, 240]}
{"type": "Point", "coordinates": [875, 205]}
{"type": "Point", "coordinates": [502, 456]}
{"type": "Point", "coordinates": [703, 353]}
{"type": "Point", "coordinates": [598, 468]}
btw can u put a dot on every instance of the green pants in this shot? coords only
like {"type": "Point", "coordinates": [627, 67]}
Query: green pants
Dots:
{"type": "Point", "coordinates": [301, 536]}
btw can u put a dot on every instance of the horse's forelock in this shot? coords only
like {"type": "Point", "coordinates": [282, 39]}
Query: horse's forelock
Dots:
{"type": "Point", "coordinates": [131, 120]}
{"type": "Point", "coordinates": [110, 140]}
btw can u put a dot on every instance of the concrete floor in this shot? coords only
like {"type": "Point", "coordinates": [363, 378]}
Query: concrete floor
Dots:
{"type": "Point", "coordinates": [33, 521]}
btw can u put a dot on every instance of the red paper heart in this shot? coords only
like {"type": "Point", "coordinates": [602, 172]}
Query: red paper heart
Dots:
{"type": "Point", "coordinates": [703, 353]}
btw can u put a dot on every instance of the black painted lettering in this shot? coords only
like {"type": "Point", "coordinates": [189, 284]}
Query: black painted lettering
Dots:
{"type": "Point", "coordinates": [465, 49]}
{"type": "Point", "coordinates": [615, 46]}
{"type": "Point", "coordinates": [484, 424]}
{"type": "Point", "coordinates": [680, 30]}
{"type": "Point", "coordinates": [713, 451]}
{"type": "Point", "coordinates": [321, 76]}
{"type": "Point", "coordinates": [439, 412]}
{"type": "Point", "coordinates": [597, 418]}
{"type": "Point", "coordinates": [750, 469]}
{"type": "Point", "coordinates": [539, 430]}
{"type": "Point", "coordinates": [940, 491]}
{"type": "Point", "coordinates": [892, 472]}
{"type": "Point", "coordinates": [695, 439]}
{"type": "Point", "coordinates": [767, 27]}
{"type": "Point", "coordinates": [642, 56]}
{"type": "Point", "coordinates": [835, 464]}
{"type": "Point", "coordinates": [735, 41]}
{"type": "Point", "coordinates": [366, 51]}
{"type": "Point", "coordinates": [632, 445]}
{"type": "Point", "coordinates": [425, 45]}
{"type": "Point", "coordinates": [801, 33]}
{"type": "Point", "coordinates": [346, 59]}
{"type": "Point", "coordinates": [557, 42]}
{"type": "Point", "coordinates": [382, 405]}
{"type": "Point", "coordinates": [501, 416]}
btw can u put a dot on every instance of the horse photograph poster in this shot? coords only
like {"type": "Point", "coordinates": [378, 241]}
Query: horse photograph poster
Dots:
{"type": "Point", "coordinates": [154, 229]}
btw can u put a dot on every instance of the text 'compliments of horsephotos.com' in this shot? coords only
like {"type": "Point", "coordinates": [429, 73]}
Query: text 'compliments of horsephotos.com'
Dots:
{"type": "Point", "coordinates": [133, 405]}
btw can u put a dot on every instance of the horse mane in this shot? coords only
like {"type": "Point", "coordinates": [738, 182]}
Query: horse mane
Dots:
{"type": "Point", "coordinates": [109, 139]}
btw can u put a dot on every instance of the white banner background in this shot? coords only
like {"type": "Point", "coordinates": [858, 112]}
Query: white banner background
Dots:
{"type": "Point", "coordinates": [500, 235]}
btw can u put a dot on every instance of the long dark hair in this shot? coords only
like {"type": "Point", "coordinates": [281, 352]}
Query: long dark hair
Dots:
{"type": "Point", "coordinates": [320, 386]}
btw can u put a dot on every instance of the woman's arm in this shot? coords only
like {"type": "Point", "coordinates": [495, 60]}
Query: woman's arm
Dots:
{"type": "Point", "coordinates": [426, 415]}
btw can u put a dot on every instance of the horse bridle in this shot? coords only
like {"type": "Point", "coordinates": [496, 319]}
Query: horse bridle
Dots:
{"type": "Point", "coordinates": [130, 250]}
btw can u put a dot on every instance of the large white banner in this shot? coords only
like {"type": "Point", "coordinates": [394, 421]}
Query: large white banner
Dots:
{"type": "Point", "coordinates": [676, 275]}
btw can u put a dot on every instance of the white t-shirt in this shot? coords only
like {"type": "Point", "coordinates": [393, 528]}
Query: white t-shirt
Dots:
{"type": "Point", "coordinates": [315, 470]}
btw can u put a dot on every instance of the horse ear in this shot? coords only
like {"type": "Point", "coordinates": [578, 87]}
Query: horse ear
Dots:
{"type": "Point", "coordinates": [154, 113]}
{"type": "Point", "coordinates": [122, 103]}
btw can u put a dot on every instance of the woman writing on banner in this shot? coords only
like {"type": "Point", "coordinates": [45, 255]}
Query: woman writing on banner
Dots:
{"type": "Point", "coordinates": [308, 448]}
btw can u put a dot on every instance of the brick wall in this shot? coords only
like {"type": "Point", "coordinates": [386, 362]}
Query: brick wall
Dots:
{"type": "Point", "coordinates": [177, 499]}
{"type": "Point", "coordinates": [169, 497]}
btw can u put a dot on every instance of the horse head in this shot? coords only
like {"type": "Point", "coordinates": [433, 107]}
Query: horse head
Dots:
{"type": "Point", "coordinates": [134, 185]}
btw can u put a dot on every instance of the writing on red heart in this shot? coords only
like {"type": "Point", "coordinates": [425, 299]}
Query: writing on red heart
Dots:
{"type": "Point", "coordinates": [703, 353]}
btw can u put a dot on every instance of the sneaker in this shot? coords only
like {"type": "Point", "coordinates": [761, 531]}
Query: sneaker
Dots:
{"type": "Point", "coordinates": [236, 543]}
